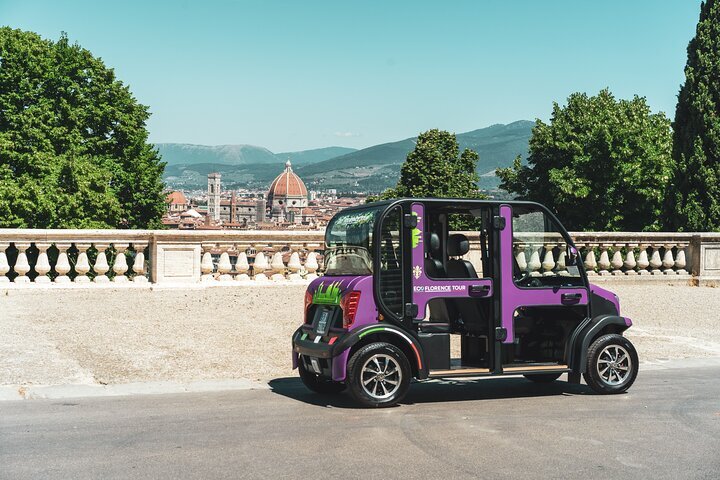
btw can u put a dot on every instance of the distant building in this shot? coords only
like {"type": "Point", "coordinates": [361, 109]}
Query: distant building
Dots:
{"type": "Point", "coordinates": [176, 202]}
{"type": "Point", "coordinates": [214, 196]}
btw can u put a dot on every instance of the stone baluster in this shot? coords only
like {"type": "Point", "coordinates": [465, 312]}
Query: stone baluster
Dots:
{"type": "Point", "coordinates": [604, 261]}
{"type": "Point", "coordinates": [101, 266]}
{"type": "Point", "coordinates": [259, 267]}
{"type": "Point", "coordinates": [534, 264]}
{"type": "Point", "coordinates": [680, 262]}
{"type": "Point", "coordinates": [242, 267]}
{"type": "Point", "coordinates": [655, 262]}
{"type": "Point", "coordinates": [630, 262]}
{"type": "Point", "coordinates": [294, 266]}
{"type": "Point", "coordinates": [561, 266]}
{"type": "Point", "coordinates": [139, 263]}
{"type": "Point", "coordinates": [224, 265]}
{"type": "Point", "coordinates": [617, 260]}
{"type": "Point", "coordinates": [82, 265]}
{"type": "Point", "coordinates": [311, 266]}
{"type": "Point", "coordinates": [590, 262]}
{"type": "Point", "coordinates": [120, 265]}
{"type": "Point", "coordinates": [520, 257]}
{"type": "Point", "coordinates": [62, 266]}
{"type": "Point", "coordinates": [548, 263]}
{"type": "Point", "coordinates": [22, 266]}
{"type": "Point", "coordinates": [643, 263]}
{"type": "Point", "coordinates": [668, 260]}
{"type": "Point", "coordinates": [278, 267]}
{"type": "Point", "coordinates": [4, 265]}
{"type": "Point", "coordinates": [206, 263]}
{"type": "Point", "coordinates": [42, 267]}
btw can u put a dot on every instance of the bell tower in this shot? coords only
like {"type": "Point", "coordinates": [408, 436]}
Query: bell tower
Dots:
{"type": "Point", "coordinates": [214, 196]}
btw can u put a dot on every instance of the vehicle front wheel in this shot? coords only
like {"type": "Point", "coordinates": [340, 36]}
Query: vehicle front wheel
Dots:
{"type": "Point", "coordinates": [379, 375]}
{"type": "Point", "coordinates": [612, 364]}
{"type": "Point", "coordinates": [317, 384]}
{"type": "Point", "coordinates": [543, 377]}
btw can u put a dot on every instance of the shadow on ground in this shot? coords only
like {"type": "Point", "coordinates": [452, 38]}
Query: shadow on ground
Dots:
{"type": "Point", "coordinates": [432, 391]}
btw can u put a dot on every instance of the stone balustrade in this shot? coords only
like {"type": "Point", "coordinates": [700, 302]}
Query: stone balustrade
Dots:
{"type": "Point", "coordinates": [132, 257]}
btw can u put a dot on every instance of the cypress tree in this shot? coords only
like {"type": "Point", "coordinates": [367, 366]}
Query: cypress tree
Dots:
{"type": "Point", "coordinates": [694, 197]}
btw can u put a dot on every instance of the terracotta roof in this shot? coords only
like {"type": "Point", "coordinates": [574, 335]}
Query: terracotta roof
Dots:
{"type": "Point", "coordinates": [175, 198]}
{"type": "Point", "coordinates": [287, 184]}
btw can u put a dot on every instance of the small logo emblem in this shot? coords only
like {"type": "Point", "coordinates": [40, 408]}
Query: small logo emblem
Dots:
{"type": "Point", "coordinates": [417, 271]}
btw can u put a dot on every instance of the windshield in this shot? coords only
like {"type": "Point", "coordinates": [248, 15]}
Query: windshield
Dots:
{"type": "Point", "coordinates": [349, 242]}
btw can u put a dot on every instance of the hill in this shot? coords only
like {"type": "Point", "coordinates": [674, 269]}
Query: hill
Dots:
{"type": "Point", "coordinates": [378, 167]}
{"type": "Point", "coordinates": [187, 154]}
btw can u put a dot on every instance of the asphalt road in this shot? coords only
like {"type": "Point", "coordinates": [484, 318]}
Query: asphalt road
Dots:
{"type": "Point", "coordinates": [668, 426]}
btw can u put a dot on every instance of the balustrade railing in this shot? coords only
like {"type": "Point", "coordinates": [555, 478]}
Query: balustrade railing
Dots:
{"type": "Point", "coordinates": [132, 257]}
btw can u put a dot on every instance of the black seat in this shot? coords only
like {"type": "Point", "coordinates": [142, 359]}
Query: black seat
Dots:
{"type": "Point", "coordinates": [471, 312]}
{"type": "Point", "coordinates": [439, 321]}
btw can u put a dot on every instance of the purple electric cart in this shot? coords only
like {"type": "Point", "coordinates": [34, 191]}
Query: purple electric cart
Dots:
{"type": "Point", "coordinates": [503, 280]}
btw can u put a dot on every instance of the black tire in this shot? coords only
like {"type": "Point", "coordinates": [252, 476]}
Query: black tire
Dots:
{"type": "Point", "coordinates": [612, 364]}
{"type": "Point", "coordinates": [542, 377]}
{"type": "Point", "coordinates": [379, 375]}
{"type": "Point", "coordinates": [317, 384]}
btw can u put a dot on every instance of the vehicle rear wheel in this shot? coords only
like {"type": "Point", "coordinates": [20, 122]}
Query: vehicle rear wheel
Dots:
{"type": "Point", "coordinates": [318, 384]}
{"type": "Point", "coordinates": [543, 377]}
{"type": "Point", "coordinates": [379, 375]}
{"type": "Point", "coordinates": [612, 364]}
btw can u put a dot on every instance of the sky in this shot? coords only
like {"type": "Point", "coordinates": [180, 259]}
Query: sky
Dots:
{"type": "Point", "coordinates": [294, 75]}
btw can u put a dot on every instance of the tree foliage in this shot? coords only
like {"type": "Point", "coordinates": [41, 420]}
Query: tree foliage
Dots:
{"type": "Point", "coordinates": [694, 199]}
{"type": "Point", "coordinates": [436, 168]}
{"type": "Point", "coordinates": [602, 163]}
{"type": "Point", "coordinates": [73, 141]}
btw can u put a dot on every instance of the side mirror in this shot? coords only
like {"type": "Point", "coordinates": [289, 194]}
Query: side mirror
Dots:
{"type": "Point", "coordinates": [571, 256]}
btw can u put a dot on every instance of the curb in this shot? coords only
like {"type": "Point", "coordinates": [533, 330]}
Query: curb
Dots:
{"type": "Point", "coordinates": [33, 392]}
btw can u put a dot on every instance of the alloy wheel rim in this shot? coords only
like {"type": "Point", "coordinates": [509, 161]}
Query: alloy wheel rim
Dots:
{"type": "Point", "coordinates": [381, 376]}
{"type": "Point", "coordinates": [614, 365]}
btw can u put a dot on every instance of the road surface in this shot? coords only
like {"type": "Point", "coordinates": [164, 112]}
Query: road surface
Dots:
{"type": "Point", "coordinates": [667, 426]}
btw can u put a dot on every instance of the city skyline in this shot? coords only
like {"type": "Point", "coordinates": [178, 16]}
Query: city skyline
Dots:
{"type": "Point", "coordinates": [289, 76]}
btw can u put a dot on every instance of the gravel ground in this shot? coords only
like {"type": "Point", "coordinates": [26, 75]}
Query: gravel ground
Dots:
{"type": "Point", "coordinates": [66, 336]}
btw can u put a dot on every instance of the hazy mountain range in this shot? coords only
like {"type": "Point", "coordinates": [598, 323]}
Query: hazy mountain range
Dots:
{"type": "Point", "coordinates": [369, 169]}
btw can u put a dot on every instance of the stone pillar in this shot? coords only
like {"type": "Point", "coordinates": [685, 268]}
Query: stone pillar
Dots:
{"type": "Point", "coordinates": [630, 262]}
{"type": "Point", "coordinates": [668, 261]}
{"type": "Point", "coordinates": [520, 257]}
{"type": "Point", "coordinates": [590, 262]}
{"type": "Point", "coordinates": [561, 267]}
{"type": "Point", "coordinates": [617, 260]}
{"type": "Point", "coordinates": [42, 267]}
{"type": "Point", "coordinates": [311, 266]}
{"type": "Point", "coordinates": [242, 267]}
{"type": "Point", "coordinates": [259, 267]}
{"type": "Point", "coordinates": [120, 265]}
{"type": "Point", "coordinates": [534, 263]}
{"type": "Point", "coordinates": [62, 267]}
{"type": "Point", "coordinates": [206, 264]}
{"type": "Point", "coordinates": [139, 263]}
{"type": "Point", "coordinates": [655, 262]}
{"type": "Point", "coordinates": [278, 267]}
{"type": "Point", "coordinates": [82, 266]}
{"type": "Point", "coordinates": [22, 267]}
{"type": "Point", "coordinates": [224, 265]}
{"type": "Point", "coordinates": [294, 266]}
{"type": "Point", "coordinates": [548, 263]}
{"type": "Point", "coordinates": [604, 262]}
{"type": "Point", "coordinates": [680, 262]}
{"type": "Point", "coordinates": [4, 265]}
{"type": "Point", "coordinates": [101, 266]}
{"type": "Point", "coordinates": [643, 263]}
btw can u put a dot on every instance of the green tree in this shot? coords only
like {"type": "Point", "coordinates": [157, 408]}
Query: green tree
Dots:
{"type": "Point", "coordinates": [73, 141]}
{"type": "Point", "coordinates": [603, 163]}
{"type": "Point", "coordinates": [694, 197]}
{"type": "Point", "coordinates": [436, 168]}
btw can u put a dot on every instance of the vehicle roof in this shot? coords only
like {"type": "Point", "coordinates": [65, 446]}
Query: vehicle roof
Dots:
{"type": "Point", "coordinates": [475, 201]}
